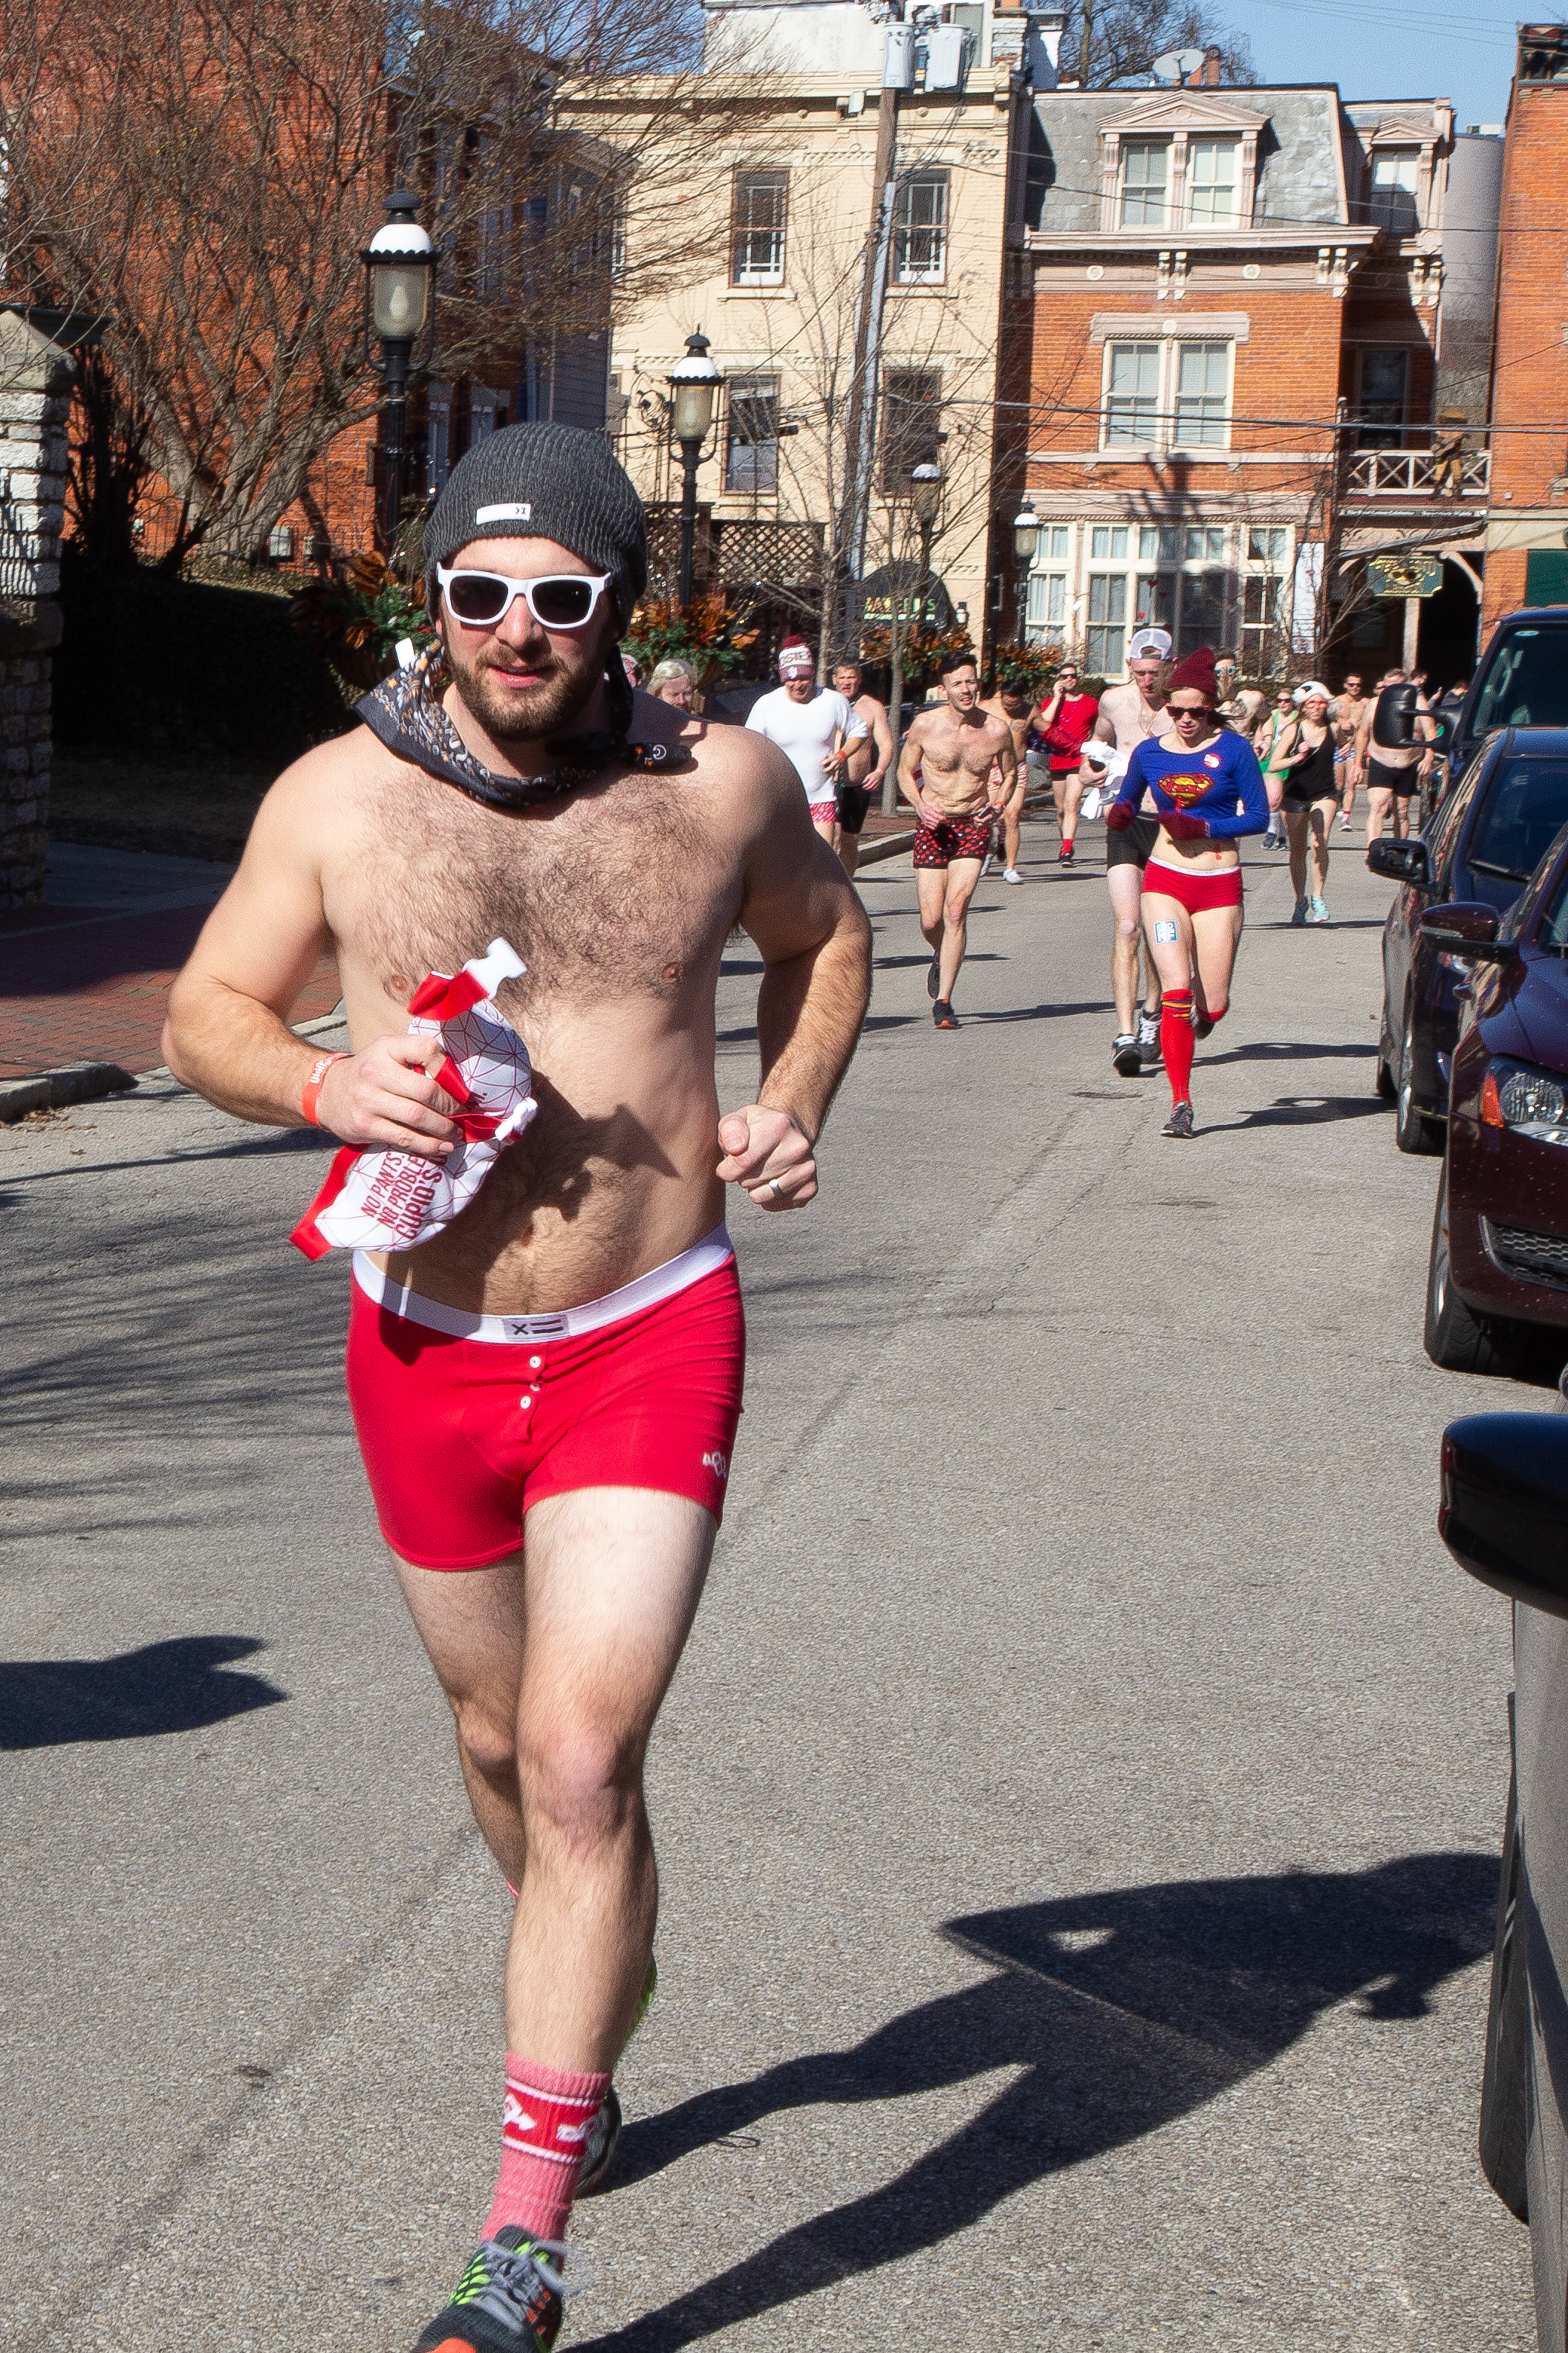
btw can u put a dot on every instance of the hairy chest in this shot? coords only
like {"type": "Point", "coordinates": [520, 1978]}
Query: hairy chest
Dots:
{"type": "Point", "coordinates": [624, 891]}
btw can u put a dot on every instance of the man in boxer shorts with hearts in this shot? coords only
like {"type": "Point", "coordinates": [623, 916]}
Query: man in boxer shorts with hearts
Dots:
{"type": "Point", "coordinates": [547, 1389]}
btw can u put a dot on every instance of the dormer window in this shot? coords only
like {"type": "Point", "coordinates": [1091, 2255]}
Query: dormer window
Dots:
{"type": "Point", "coordinates": [1184, 160]}
{"type": "Point", "coordinates": [1211, 182]}
{"type": "Point", "coordinates": [1144, 176]}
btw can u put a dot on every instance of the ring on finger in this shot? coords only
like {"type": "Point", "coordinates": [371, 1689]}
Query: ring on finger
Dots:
{"type": "Point", "coordinates": [778, 1190]}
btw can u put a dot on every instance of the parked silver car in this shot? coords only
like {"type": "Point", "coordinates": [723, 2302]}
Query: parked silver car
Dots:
{"type": "Point", "coordinates": [1505, 1518]}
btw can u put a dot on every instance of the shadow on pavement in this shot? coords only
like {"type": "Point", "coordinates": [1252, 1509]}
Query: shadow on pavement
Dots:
{"type": "Point", "coordinates": [173, 1686]}
{"type": "Point", "coordinates": [1285, 1052]}
{"type": "Point", "coordinates": [1126, 2009]}
{"type": "Point", "coordinates": [1038, 1012]}
{"type": "Point", "coordinates": [1301, 1111]}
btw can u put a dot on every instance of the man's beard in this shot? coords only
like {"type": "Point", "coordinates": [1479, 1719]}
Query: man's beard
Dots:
{"type": "Point", "coordinates": [558, 694]}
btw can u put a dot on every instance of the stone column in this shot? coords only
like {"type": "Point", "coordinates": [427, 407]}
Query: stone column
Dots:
{"type": "Point", "coordinates": [34, 398]}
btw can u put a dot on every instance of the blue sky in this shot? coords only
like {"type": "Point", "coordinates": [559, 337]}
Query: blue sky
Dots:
{"type": "Point", "coordinates": [1461, 50]}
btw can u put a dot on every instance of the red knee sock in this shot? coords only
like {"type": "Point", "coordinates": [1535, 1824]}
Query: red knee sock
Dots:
{"type": "Point", "coordinates": [1176, 1042]}
{"type": "Point", "coordinates": [544, 2127]}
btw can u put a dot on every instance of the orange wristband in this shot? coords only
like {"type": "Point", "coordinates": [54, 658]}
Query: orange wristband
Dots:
{"type": "Point", "coordinates": [311, 1098]}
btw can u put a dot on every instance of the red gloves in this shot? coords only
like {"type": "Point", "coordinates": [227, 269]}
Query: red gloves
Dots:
{"type": "Point", "coordinates": [1182, 827]}
{"type": "Point", "coordinates": [1118, 817]}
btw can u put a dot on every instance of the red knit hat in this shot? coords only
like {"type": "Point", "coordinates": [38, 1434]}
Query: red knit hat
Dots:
{"type": "Point", "coordinates": [1194, 671]}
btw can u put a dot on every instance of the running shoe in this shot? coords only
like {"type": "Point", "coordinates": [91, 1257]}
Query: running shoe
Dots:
{"type": "Point", "coordinates": [934, 977]}
{"type": "Point", "coordinates": [1180, 1121]}
{"type": "Point", "coordinates": [1318, 913]}
{"type": "Point", "coordinates": [1125, 1055]}
{"type": "Point", "coordinates": [1344, 825]}
{"type": "Point", "coordinates": [986, 863]}
{"type": "Point", "coordinates": [1147, 1037]}
{"type": "Point", "coordinates": [507, 2301]}
{"type": "Point", "coordinates": [942, 1014]}
{"type": "Point", "coordinates": [1063, 854]}
{"type": "Point", "coordinates": [1300, 914]}
{"type": "Point", "coordinates": [1011, 874]}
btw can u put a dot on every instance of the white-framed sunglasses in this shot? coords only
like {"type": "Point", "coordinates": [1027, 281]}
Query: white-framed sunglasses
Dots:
{"type": "Point", "coordinates": [560, 600]}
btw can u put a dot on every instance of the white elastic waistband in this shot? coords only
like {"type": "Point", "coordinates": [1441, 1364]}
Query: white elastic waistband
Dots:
{"type": "Point", "coordinates": [567, 1322]}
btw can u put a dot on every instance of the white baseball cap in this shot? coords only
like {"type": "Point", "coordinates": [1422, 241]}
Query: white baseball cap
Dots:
{"type": "Point", "coordinates": [1147, 642]}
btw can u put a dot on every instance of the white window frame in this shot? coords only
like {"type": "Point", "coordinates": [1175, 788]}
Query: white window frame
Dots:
{"type": "Point", "coordinates": [1197, 141]}
{"type": "Point", "coordinates": [1130, 147]}
{"type": "Point", "coordinates": [1132, 440]}
{"type": "Point", "coordinates": [1380, 217]}
{"type": "Point", "coordinates": [1220, 440]}
{"type": "Point", "coordinates": [772, 271]}
{"type": "Point", "coordinates": [1164, 436]}
{"type": "Point", "coordinates": [906, 231]}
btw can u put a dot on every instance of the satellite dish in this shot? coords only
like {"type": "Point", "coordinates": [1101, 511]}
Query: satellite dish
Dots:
{"type": "Point", "coordinates": [1177, 64]}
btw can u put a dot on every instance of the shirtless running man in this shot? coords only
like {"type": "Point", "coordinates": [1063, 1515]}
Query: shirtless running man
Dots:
{"type": "Point", "coordinates": [866, 760]}
{"type": "Point", "coordinates": [1394, 771]}
{"type": "Point", "coordinates": [949, 758]}
{"type": "Point", "coordinates": [546, 1391]}
{"type": "Point", "coordinates": [1346, 712]}
{"type": "Point", "coordinates": [1016, 707]}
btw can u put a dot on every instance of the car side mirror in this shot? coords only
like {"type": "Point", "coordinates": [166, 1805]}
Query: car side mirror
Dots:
{"type": "Point", "coordinates": [1401, 861]}
{"type": "Point", "coordinates": [1467, 927]}
{"type": "Point", "coordinates": [1505, 1499]}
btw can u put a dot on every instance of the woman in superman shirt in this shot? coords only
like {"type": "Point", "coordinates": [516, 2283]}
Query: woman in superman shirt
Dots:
{"type": "Point", "coordinates": [1207, 790]}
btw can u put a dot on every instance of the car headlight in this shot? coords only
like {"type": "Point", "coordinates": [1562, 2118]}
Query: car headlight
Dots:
{"type": "Point", "coordinates": [1530, 1101]}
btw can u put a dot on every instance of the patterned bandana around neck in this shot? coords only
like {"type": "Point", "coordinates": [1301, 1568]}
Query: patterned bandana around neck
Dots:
{"type": "Point", "coordinates": [407, 714]}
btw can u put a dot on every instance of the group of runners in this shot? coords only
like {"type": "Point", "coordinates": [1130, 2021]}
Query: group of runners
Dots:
{"type": "Point", "coordinates": [547, 1390]}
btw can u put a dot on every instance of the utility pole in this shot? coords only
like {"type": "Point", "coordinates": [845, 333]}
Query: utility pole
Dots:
{"type": "Point", "coordinates": [860, 409]}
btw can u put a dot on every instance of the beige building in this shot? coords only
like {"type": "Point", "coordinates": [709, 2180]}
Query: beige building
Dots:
{"type": "Point", "coordinates": [786, 199]}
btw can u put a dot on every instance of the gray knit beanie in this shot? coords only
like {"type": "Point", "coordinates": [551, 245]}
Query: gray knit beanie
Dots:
{"type": "Point", "coordinates": [545, 481]}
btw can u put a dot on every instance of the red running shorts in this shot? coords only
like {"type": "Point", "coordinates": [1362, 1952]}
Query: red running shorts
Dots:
{"type": "Point", "coordinates": [461, 1434]}
{"type": "Point", "coordinates": [951, 838]}
{"type": "Point", "coordinates": [1217, 886]}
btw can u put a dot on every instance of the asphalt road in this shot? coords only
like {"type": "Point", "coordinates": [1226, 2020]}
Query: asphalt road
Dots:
{"type": "Point", "coordinates": [1078, 1810]}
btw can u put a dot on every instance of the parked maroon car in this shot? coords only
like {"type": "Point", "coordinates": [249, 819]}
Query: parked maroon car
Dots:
{"type": "Point", "coordinates": [1497, 1289]}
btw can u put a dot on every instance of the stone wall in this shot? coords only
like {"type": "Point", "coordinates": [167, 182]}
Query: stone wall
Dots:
{"type": "Point", "coordinates": [34, 398]}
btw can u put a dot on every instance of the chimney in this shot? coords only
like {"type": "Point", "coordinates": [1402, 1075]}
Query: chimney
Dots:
{"type": "Point", "coordinates": [1210, 71]}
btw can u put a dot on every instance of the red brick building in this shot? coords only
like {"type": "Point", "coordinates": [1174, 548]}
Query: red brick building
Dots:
{"type": "Point", "coordinates": [1527, 532]}
{"type": "Point", "coordinates": [1235, 336]}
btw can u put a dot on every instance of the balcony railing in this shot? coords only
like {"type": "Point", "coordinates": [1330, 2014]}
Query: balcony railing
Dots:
{"type": "Point", "coordinates": [1418, 474]}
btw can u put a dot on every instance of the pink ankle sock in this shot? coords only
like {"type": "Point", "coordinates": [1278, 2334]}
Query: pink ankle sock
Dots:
{"type": "Point", "coordinates": [544, 2129]}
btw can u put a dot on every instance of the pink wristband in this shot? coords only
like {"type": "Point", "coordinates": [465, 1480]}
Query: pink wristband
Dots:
{"type": "Point", "coordinates": [311, 1098]}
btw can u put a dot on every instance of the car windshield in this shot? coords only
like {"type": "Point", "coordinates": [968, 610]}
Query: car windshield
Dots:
{"type": "Point", "coordinates": [1526, 685]}
{"type": "Point", "coordinates": [1525, 810]}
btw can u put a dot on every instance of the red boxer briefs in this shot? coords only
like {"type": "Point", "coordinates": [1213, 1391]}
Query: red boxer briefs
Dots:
{"type": "Point", "coordinates": [953, 838]}
{"type": "Point", "coordinates": [462, 1429]}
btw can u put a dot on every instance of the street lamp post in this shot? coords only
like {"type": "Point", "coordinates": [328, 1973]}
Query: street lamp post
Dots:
{"type": "Point", "coordinates": [1025, 540]}
{"type": "Point", "coordinates": [399, 265]}
{"type": "Point", "coordinates": [693, 392]}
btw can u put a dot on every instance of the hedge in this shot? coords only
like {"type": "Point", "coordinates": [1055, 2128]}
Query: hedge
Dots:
{"type": "Point", "coordinates": [153, 663]}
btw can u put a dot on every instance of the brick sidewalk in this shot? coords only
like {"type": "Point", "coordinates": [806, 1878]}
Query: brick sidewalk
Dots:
{"type": "Point", "coordinates": [81, 984]}
{"type": "Point", "coordinates": [92, 983]}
